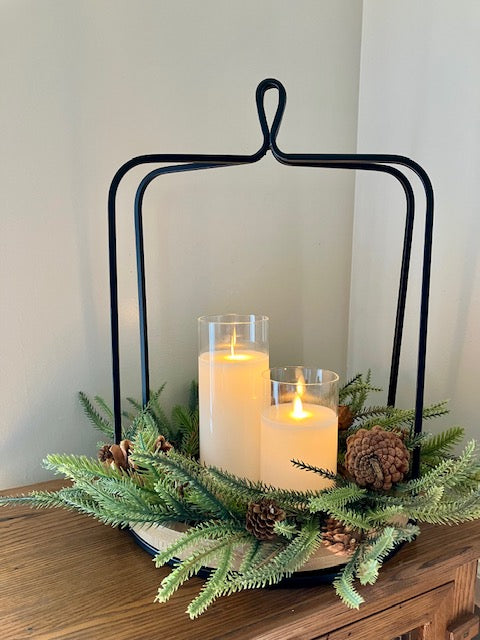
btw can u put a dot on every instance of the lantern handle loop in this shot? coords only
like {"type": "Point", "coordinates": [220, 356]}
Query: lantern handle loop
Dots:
{"type": "Point", "coordinates": [270, 134]}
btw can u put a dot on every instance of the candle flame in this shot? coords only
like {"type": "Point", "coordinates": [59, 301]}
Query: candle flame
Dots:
{"type": "Point", "coordinates": [298, 413]}
{"type": "Point", "coordinates": [233, 355]}
{"type": "Point", "coordinates": [300, 385]}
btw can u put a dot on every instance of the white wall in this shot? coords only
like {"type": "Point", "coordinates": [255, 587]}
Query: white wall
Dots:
{"type": "Point", "coordinates": [420, 97]}
{"type": "Point", "coordinates": [88, 84]}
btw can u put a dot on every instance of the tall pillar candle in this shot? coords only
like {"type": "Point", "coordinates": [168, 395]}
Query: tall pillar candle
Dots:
{"type": "Point", "coordinates": [233, 354]}
{"type": "Point", "coordinates": [299, 422]}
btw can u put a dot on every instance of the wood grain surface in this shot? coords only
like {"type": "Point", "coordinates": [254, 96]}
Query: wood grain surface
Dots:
{"type": "Point", "coordinates": [63, 575]}
{"type": "Point", "coordinates": [428, 613]}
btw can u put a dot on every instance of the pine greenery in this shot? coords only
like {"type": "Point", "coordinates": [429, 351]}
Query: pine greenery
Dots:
{"type": "Point", "coordinates": [181, 428]}
{"type": "Point", "coordinates": [160, 487]}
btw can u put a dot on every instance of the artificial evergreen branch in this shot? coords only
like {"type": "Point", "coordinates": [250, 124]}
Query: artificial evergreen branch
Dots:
{"type": "Point", "coordinates": [281, 564]}
{"type": "Point", "coordinates": [329, 499]}
{"type": "Point", "coordinates": [213, 587]}
{"type": "Point", "coordinates": [185, 422]}
{"type": "Point", "coordinates": [252, 551]}
{"type": "Point", "coordinates": [286, 529]}
{"type": "Point", "coordinates": [192, 565]}
{"type": "Point", "coordinates": [102, 423]}
{"type": "Point", "coordinates": [135, 404]}
{"type": "Point", "coordinates": [169, 495]}
{"type": "Point", "coordinates": [159, 415]}
{"type": "Point", "coordinates": [396, 418]}
{"type": "Point", "coordinates": [344, 584]}
{"type": "Point", "coordinates": [435, 446]}
{"type": "Point", "coordinates": [345, 389]}
{"type": "Point", "coordinates": [197, 536]}
{"type": "Point", "coordinates": [79, 468]}
{"type": "Point", "coordinates": [351, 518]}
{"type": "Point", "coordinates": [356, 391]}
{"type": "Point", "coordinates": [189, 472]}
{"type": "Point", "coordinates": [251, 491]}
{"type": "Point", "coordinates": [325, 473]}
{"type": "Point", "coordinates": [451, 472]}
{"type": "Point", "coordinates": [42, 499]}
{"type": "Point", "coordinates": [371, 412]}
{"type": "Point", "coordinates": [104, 406]}
{"type": "Point", "coordinates": [375, 554]}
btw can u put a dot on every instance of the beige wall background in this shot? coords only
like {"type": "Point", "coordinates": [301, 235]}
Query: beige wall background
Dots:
{"type": "Point", "coordinates": [88, 84]}
{"type": "Point", "coordinates": [420, 97]}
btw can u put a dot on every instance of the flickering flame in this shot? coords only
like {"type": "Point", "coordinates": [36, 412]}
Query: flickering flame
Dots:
{"type": "Point", "coordinates": [298, 413]}
{"type": "Point", "coordinates": [300, 385]}
{"type": "Point", "coordinates": [233, 355]}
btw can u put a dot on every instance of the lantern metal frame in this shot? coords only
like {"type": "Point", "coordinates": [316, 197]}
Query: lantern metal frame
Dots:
{"type": "Point", "coordinates": [383, 163]}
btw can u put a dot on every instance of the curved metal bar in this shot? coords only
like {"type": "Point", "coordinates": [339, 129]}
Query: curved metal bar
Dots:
{"type": "Point", "coordinates": [405, 266]}
{"type": "Point", "coordinates": [397, 340]}
{"type": "Point", "coordinates": [263, 87]}
{"type": "Point", "coordinates": [339, 159]}
{"type": "Point", "coordinates": [140, 256]}
{"type": "Point", "coordinates": [141, 268]}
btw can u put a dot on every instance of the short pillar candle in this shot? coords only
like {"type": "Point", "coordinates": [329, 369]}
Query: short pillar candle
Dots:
{"type": "Point", "coordinates": [299, 421]}
{"type": "Point", "coordinates": [233, 354]}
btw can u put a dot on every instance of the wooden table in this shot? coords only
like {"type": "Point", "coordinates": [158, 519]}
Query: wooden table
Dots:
{"type": "Point", "coordinates": [63, 575]}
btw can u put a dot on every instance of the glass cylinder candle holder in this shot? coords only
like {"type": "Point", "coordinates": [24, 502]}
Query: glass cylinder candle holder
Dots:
{"type": "Point", "coordinates": [299, 422]}
{"type": "Point", "coordinates": [233, 354]}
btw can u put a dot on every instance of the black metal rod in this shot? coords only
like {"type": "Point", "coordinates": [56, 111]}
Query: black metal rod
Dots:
{"type": "Point", "coordinates": [402, 297]}
{"type": "Point", "coordinates": [406, 254]}
{"type": "Point", "coordinates": [140, 255]}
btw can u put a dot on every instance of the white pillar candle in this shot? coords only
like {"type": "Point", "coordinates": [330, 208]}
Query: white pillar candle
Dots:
{"type": "Point", "coordinates": [312, 439]}
{"type": "Point", "coordinates": [230, 387]}
{"type": "Point", "coordinates": [230, 397]}
{"type": "Point", "coordinates": [292, 429]}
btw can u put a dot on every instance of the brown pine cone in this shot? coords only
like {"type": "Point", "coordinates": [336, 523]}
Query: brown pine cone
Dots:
{"type": "Point", "coordinates": [104, 454]}
{"type": "Point", "coordinates": [162, 444]}
{"type": "Point", "coordinates": [345, 417]}
{"type": "Point", "coordinates": [261, 517]}
{"type": "Point", "coordinates": [376, 458]}
{"type": "Point", "coordinates": [117, 455]}
{"type": "Point", "coordinates": [339, 538]}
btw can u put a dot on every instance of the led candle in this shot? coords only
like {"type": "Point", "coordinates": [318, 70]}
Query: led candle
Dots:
{"type": "Point", "coordinates": [299, 421]}
{"type": "Point", "coordinates": [233, 356]}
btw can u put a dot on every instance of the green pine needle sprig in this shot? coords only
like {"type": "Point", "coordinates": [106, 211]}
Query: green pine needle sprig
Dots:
{"type": "Point", "coordinates": [101, 422]}
{"type": "Point", "coordinates": [325, 473]}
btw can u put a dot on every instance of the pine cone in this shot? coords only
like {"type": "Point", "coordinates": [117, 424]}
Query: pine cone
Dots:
{"type": "Point", "coordinates": [162, 444]}
{"type": "Point", "coordinates": [345, 417]}
{"type": "Point", "coordinates": [376, 458]}
{"type": "Point", "coordinates": [104, 454]}
{"type": "Point", "coordinates": [339, 538]}
{"type": "Point", "coordinates": [117, 455]}
{"type": "Point", "coordinates": [261, 518]}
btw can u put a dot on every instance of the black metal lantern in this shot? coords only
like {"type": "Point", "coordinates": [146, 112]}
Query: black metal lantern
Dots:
{"type": "Point", "coordinates": [174, 163]}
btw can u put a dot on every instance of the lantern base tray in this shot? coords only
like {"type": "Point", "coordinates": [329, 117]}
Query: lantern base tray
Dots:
{"type": "Point", "coordinates": [322, 568]}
